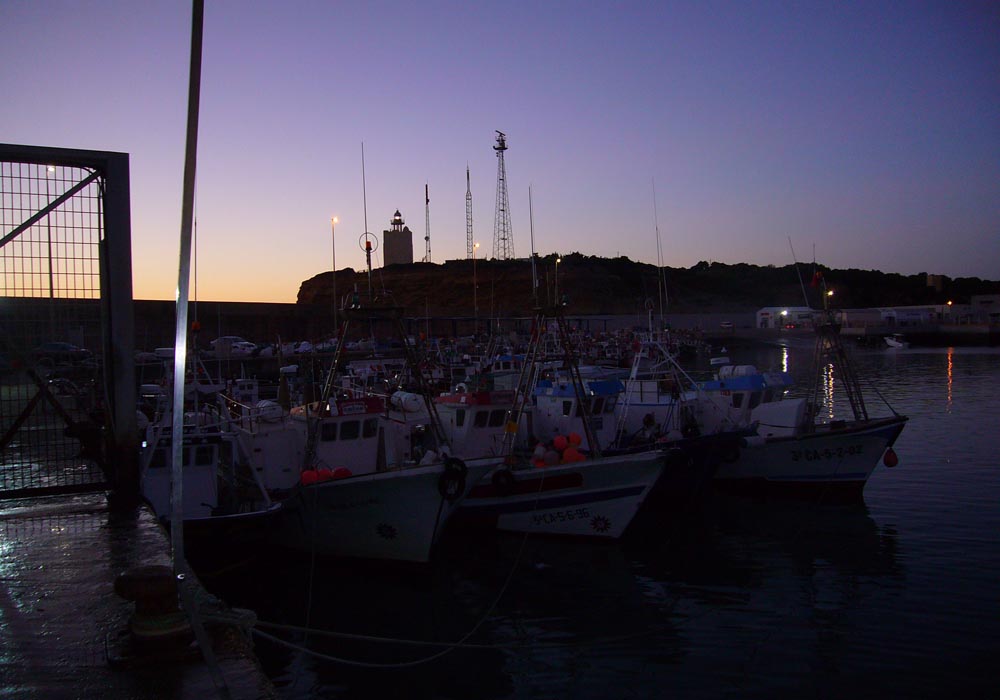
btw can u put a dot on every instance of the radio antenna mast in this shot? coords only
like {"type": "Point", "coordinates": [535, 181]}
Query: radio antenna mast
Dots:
{"type": "Point", "coordinates": [468, 216]}
{"type": "Point", "coordinates": [503, 242]}
{"type": "Point", "coordinates": [427, 224]}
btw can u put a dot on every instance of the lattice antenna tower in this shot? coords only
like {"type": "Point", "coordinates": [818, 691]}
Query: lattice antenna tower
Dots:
{"type": "Point", "coordinates": [503, 241]}
{"type": "Point", "coordinates": [468, 215]}
{"type": "Point", "coordinates": [427, 224]}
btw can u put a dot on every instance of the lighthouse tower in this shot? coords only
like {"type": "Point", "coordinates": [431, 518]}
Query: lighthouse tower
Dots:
{"type": "Point", "coordinates": [397, 242]}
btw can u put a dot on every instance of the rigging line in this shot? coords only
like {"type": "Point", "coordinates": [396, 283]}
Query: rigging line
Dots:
{"type": "Point", "coordinates": [427, 643]}
{"type": "Point", "coordinates": [661, 287]}
{"type": "Point", "coordinates": [798, 272]}
{"type": "Point", "coordinates": [312, 579]}
{"type": "Point", "coordinates": [433, 657]}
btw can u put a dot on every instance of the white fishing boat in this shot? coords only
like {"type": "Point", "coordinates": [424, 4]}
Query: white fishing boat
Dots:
{"type": "Point", "coordinates": [800, 449]}
{"type": "Point", "coordinates": [594, 497]}
{"type": "Point", "coordinates": [358, 475]}
{"type": "Point", "coordinates": [226, 508]}
{"type": "Point", "coordinates": [393, 515]}
{"type": "Point", "coordinates": [557, 478]}
{"type": "Point", "coordinates": [896, 341]}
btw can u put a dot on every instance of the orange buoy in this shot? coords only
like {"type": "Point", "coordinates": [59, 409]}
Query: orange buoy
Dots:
{"type": "Point", "coordinates": [559, 442]}
{"type": "Point", "coordinates": [575, 439]}
{"type": "Point", "coordinates": [570, 454]}
{"type": "Point", "coordinates": [341, 473]}
{"type": "Point", "coordinates": [890, 459]}
{"type": "Point", "coordinates": [309, 476]}
{"type": "Point", "coordinates": [324, 474]}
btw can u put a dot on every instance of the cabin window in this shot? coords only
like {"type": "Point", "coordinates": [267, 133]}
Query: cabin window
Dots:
{"type": "Point", "coordinates": [481, 419]}
{"type": "Point", "coordinates": [349, 430]}
{"type": "Point", "coordinates": [754, 399]}
{"type": "Point", "coordinates": [609, 404]}
{"type": "Point", "coordinates": [768, 396]}
{"type": "Point", "coordinates": [497, 417]}
{"type": "Point", "coordinates": [737, 399]}
{"type": "Point", "coordinates": [328, 432]}
{"type": "Point", "coordinates": [567, 408]}
{"type": "Point", "coordinates": [460, 418]}
{"type": "Point", "coordinates": [203, 455]}
{"type": "Point", "coordinates": [369, 428]}
{"type": "Point", "coordinates": [598, 405]}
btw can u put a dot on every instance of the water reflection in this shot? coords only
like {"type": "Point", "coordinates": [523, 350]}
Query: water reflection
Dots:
{"type": "Point", "coordinates": [735, 597]}
{"type": "Point", "coordinates": [951, 367]}
{"type": "Point", "coordinates": [553, 616]}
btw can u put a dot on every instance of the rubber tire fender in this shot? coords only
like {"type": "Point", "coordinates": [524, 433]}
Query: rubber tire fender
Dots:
{"type": "Point", "coordinates": [451, 484]}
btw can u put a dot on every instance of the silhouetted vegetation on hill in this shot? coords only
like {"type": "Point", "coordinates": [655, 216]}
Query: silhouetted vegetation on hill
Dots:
{"type": "Point", "coordinates": [596, 285]}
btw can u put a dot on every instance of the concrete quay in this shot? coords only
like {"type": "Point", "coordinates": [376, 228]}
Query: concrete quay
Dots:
{"type": "Point", "coordinates": [65, 630]}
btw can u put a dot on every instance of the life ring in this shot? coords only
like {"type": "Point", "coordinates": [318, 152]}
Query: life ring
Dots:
{"type": "Point", "coordinates": [503, 482]}
{"type": "Point", "coordinates": [461, 388]}
{"type": "Point", "coordinates": [451, 484]}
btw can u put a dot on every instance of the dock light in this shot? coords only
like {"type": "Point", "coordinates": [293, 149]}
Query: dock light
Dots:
{"type": "Point", "coordinates": [784, 312]}
{"type": "Point", "coordinates": [830, 293]}
{"type": "Point", "coordinates": [949, 302]}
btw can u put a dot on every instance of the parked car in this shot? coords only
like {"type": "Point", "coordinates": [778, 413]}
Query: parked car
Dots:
{"type": "Point", "coordinates": [232, 346]}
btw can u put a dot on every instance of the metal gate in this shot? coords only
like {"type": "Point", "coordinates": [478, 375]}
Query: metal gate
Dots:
{"type": "Point", "coordinates": [64, 385]}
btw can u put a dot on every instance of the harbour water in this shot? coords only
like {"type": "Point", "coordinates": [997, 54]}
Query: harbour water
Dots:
{"type": "Point", "coordinates": [898, 596]}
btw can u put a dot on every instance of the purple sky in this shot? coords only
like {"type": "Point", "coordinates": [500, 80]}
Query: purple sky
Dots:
{"type": "Point", "coordinates": [869, 131]}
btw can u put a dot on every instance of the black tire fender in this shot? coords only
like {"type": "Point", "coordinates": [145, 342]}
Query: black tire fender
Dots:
{"type": "Point", "coordinates": [451, 484]}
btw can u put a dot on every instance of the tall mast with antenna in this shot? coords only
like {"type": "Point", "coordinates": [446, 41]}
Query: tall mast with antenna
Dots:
{"type": "Point", "coordinates": [364, 199]}
{"type": "Point", "coordinates": [534, 272]}
{"type": "Point", "coordinates": [427, 224]}
{"type": "Point", "coordinates": [661, 282]}
{"type": "Point", "coordinates": [468, 216]}
{"type": "Point", "coordinates": [503, 241]}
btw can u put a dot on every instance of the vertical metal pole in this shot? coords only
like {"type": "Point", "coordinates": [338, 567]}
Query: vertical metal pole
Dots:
{"type": "Point", "coordinates": [183, 285]}
{"type": "Point", "coordinates": [119, 339]}
{"type": "Point", "coordinates": [333, 239]}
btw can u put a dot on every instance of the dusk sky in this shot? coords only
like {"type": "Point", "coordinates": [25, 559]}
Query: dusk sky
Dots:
{"type": "Point", "coordinates": [868, 132]}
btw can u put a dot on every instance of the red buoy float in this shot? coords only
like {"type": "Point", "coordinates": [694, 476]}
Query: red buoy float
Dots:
{"type": "Point", "coordinates": [890, 459]}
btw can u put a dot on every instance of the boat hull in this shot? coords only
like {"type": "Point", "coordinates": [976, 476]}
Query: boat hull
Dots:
{"type": "Point", "coordinates": [593, 498]}
{"type": "Point", "coordinates": [396, 515]}
{"type": "Point", "coordinates": [838, 460]}
{"type": "Point", "coordinates": [222, 540]}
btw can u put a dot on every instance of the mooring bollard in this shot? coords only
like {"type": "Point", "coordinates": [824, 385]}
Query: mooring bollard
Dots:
{"type": "Point", "coordinates": [158, 620]}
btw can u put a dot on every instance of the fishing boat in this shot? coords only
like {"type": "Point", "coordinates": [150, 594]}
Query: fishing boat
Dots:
{"type": "Point", "coordinates": [358, 479]}
{"type": "Point", "coordinates": [805, 446]}
{"type": "Point", "coordinates": [226, 509]}
{"type": "Point", "coordinates": [593, 497]}
{"type": "Point", "coordinates": [896, 341]}
{"type": "Point", "coordinates": [565, 472]}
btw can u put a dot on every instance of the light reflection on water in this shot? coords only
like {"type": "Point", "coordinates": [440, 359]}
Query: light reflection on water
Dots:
{"type": "Point", "coordinates": [896, 596]}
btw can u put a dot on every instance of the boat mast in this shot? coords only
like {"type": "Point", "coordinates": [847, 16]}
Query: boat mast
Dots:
{"type": "Point", "coordinates": [661, 283]}
{"type": "Point", "coordinates": [534, 271]}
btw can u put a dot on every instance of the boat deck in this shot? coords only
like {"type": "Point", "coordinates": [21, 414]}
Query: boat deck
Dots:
{"type": "Point", "coordinates": [65, 630]}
